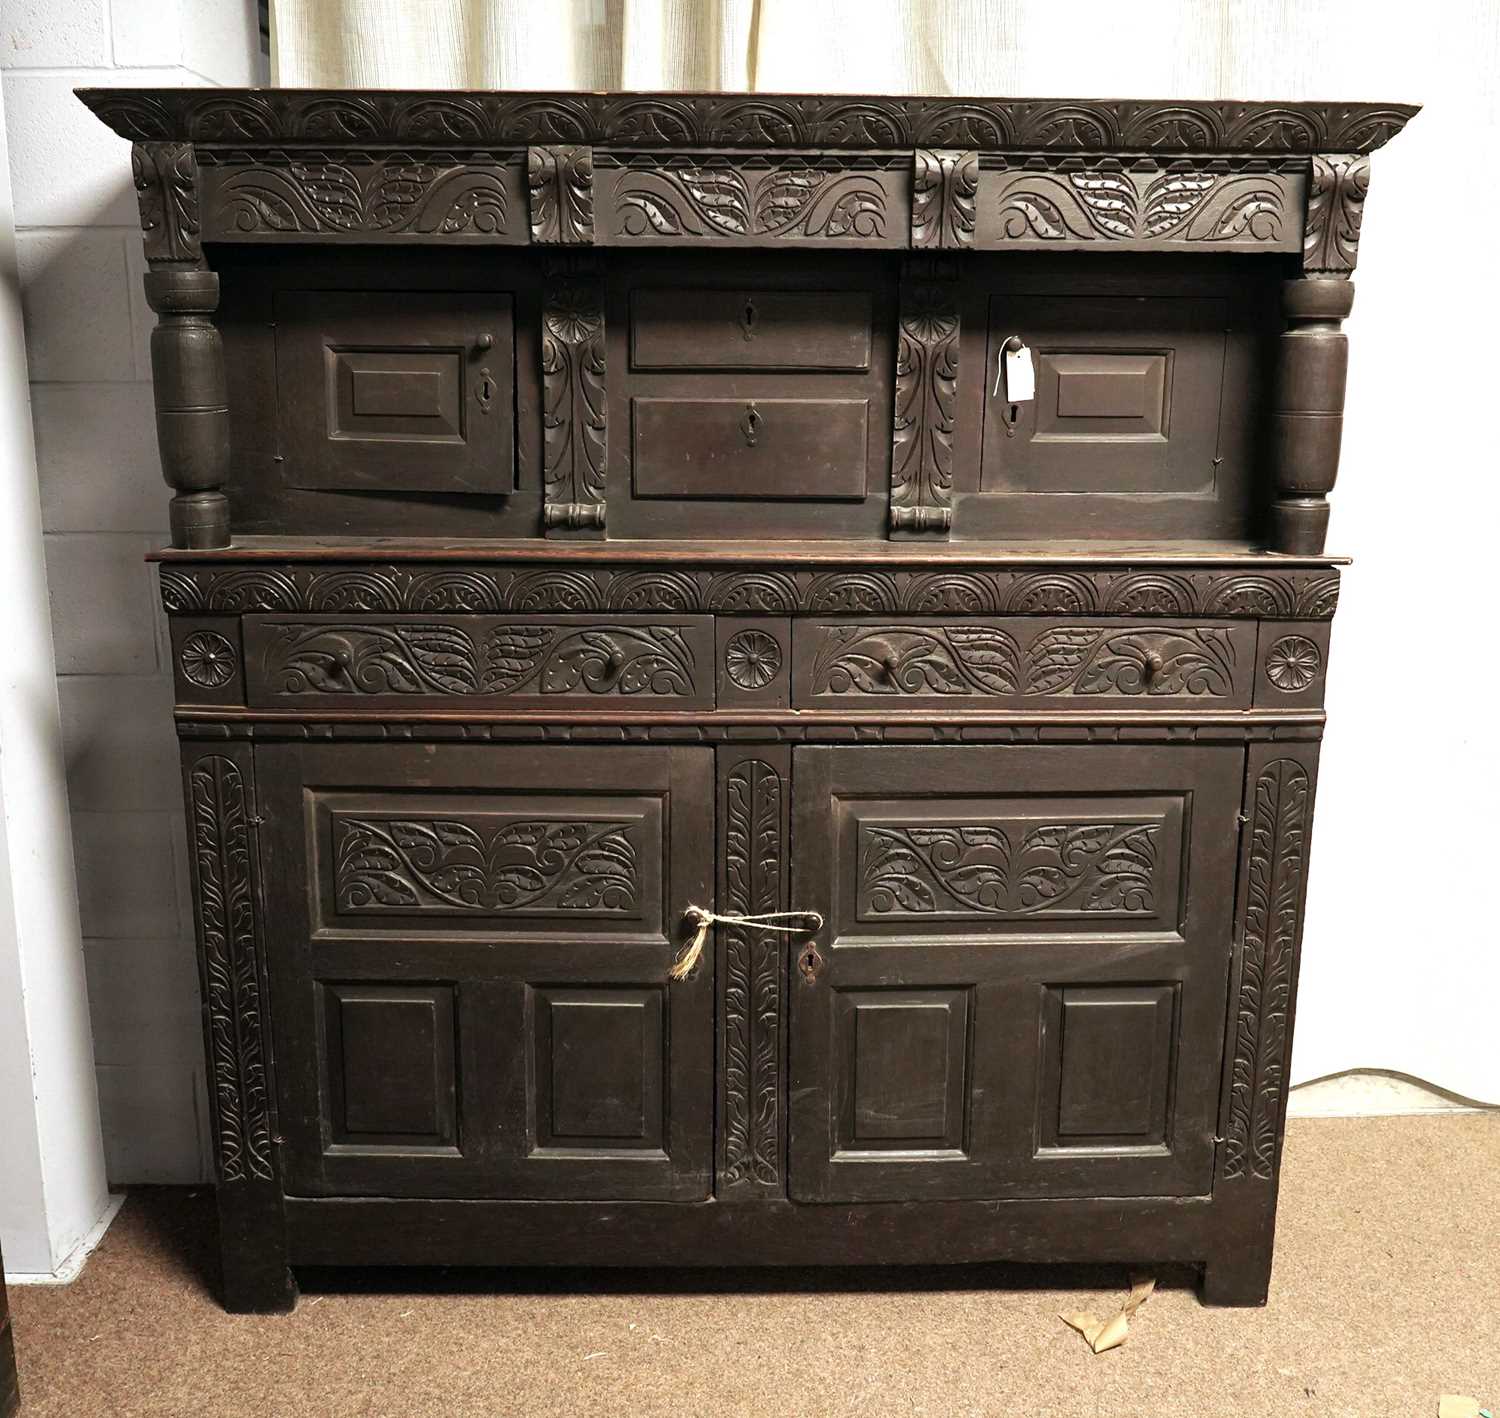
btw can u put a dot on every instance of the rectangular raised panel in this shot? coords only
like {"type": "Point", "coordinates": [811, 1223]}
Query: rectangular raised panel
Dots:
{"type": "Point", "coordinates": [1029, 661]}
{"type": "Point", "coordinates": [1108, 1068]}
{"type": "Point", "coordinates": [395, 391]}
{"type": "Point", "coordinates": [749, 448]}
{"type": "Point", "coordinates": [1102, 395]}
{"type": "Point", "coordinates": [906, 1055]}
{"type": "Point", "coordinates": [1091, 862]}
{"type": "Point", "coordinates": [1128, 395]}
{"type": "Point", "coordinates": [598, 1068]}
{"type": "Point", "coordinates": [536, 661]}
{"type": "Point", "coordinates": [711, 329]}
{"type": "Point", "coordinates": [391, 1065]}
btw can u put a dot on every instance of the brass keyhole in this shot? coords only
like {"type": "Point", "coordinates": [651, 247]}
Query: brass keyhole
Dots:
{"type": "Point", "coordinates": [809, 962]}
{"type": "Point", "coordinates": [747, 320]}
{"type": "Point", "coordinates": [484, 393]}
{"type": "Point", "coordinates": [750, 425]}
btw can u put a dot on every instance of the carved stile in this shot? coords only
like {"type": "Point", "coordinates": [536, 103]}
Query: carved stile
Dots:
{"type": "Point", "coordinates": [575, 415]}
{"type": "Point", "coordinates": [925, 409]}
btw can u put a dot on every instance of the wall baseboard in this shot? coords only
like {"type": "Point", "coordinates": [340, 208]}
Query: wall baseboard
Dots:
{"type": "Point", "coordinates": [1375, 1093]}
{"type": "Point", "coordinates": [73, 1263]}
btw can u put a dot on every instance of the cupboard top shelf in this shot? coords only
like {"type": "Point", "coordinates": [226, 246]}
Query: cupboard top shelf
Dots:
{"type": "Point", "coordinates": [262, 118]}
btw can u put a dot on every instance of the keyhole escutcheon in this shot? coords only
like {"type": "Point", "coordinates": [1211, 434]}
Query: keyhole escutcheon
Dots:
{"type": "Point", "coordinates": [747, 320]}
{"type": "Point", "coordinates": [484, 391]}
{"type": "Point", "coordinates": [750, 425]}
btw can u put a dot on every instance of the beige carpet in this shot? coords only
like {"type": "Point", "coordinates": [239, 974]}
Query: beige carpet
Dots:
{"type": "Point", "coordinates": [1386, 1293]}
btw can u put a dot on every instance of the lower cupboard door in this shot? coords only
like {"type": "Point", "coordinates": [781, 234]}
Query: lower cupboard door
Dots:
{"type": "Point", "coordinates": [1020, 986]}
{"type": "Point", "coordinates": [468, 948]}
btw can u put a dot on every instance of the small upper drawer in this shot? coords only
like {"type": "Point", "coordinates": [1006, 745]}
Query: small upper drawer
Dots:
{"type": "Point", "coordinates": [396, 391]}
{"type": "Point", "coordinates": [750, 329]}
{"type": "Point", "coordinates": [750, 448]}
{"type": "Point", "coordinates": [519, 661]}
{"type": "Point", "coordinates": [1021, 661]}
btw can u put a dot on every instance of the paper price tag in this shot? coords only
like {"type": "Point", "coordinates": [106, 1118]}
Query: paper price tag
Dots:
{"type": "Point", "coordinates": [1020, 376]}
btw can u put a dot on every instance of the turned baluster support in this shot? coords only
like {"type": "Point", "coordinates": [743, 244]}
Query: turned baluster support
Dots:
{"type": "Point", "coordinates": [1307, 421]}
{"type": "Point", "coordinates": [192, 408]}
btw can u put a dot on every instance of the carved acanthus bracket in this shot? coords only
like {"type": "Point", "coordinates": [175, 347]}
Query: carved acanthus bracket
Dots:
{"type": "Point", "coordinates": [575, 410]}
{"type": "Point", "coordinates": [926, 402]}
{"type": "Point", "coordinates": [945, 184]}
{"type": "Point", "coordinates": [1335, 211]}
{"type": "Point", "coordinates": [560, 180]}
{"type": "Point", "coordinates": [166, 189]}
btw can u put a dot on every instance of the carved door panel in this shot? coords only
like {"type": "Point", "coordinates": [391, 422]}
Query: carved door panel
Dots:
{"type": "Point", "coordinates": [468, 950]}
{"type": "Point", "coordinates": [1019, 989]}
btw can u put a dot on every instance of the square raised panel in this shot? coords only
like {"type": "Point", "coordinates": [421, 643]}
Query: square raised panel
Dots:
{"type": "Point", "coordinates": [1107, 1066]}
{"type": "Point", "coordinates": [391, 1068]}
{"type": "Point", "coordinates": [393, 391]}
{"type": "Point", "coordinates": [598, 1059]}
{"type": "Point", "coordinates": [904, 1082]}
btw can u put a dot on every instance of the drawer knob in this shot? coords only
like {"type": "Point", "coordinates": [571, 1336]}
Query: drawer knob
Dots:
{"type": "Point", "coordinates": [890, 668]}
{"type": "Point", "coordinates": [614, 662]}
{"type": "Point", "coordinates": [750, 425]}
{"type": "Point", "coordinates": [1152, 665]}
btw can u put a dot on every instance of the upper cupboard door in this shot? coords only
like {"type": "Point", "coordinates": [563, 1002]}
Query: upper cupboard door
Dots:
{"type": "Point", "coordinates": [1020, 986]}
{"type": "Point", "coordinates": [396, 391]}
{"type": "Point", "coordinates": [469, 949]}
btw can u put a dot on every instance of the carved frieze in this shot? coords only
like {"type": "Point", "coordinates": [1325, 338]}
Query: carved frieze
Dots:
{"type": "Point", "coordinates": [754, 855]}
{"type": "Point", "coordinates": [1224, 593]}
{"type": "Point", "coordinates": [926, 397]}
{"type": "Point", "coordinates": [1181, 206]}
{"type": "Point", "coordinates": [361, 196]}
{"type": "Point", "coordinates": [944, 183]}
{"type": "Point", "coordinates": [1335, 211]}
{"type": "Point", "coordinates": [977, 659]}
{"type": "Point", "coordinates": [933, 868]}
{"type": "Point", "coordinates": [484, 865]}
{"type": "Point", "coordinates": [403, 118]}
{"type": "Point", "coordinates": [1269, 936]}
{"type": "Point", "coordinates": [560, 180]}
{"type": "Point", "coordinates": [575, 410]}
{"type": "Point", "coordinates": [720, 198]}
{"type": "Point", "coordinates": [166, 189]}
{"type": "Point", "coordinates": [219, 827]}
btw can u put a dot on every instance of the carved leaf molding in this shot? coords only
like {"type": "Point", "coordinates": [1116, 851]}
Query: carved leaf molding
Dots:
{"type": "Point", "coordinates": [1335, 213]}
{"type": "Point", "coordinates": [560, 180]}
{"type": "Point", "coordinates": [452, 864]}
{"type": "Point", "coordinates": [443, 659]}
{"type": "Point", "coordinates": [220, 827]}
{"type": "Point", "coordinates": [575, 410]}
{"type": "Point", "coordinates": [1273, 904]}
{"type": "Point", "coordinates": [925, 409]}
{"type": "Point", "coordinates": [166, 189]}
{"type": "Point", "coordinates": [986, 869]}
{"type": "Point", "coordinates": [978, 659]}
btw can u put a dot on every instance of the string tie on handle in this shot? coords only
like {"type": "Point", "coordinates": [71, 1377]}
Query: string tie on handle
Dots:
{"type": "Point", "coordinates": [704, 920]}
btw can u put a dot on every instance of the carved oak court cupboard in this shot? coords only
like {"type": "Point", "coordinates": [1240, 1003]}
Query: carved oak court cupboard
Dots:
{"type": "Point", "coordinates": [901, 518]}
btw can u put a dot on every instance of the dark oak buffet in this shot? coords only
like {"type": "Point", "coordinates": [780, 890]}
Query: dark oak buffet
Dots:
{"type": "Point", "coordinates": [901, 519]}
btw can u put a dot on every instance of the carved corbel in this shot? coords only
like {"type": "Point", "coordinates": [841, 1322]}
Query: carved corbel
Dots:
{"type": "Point", "coordinates": [1336, 192]}
{"type": "Point", "coordinates": [187, 355]}
{"type": "Point", "coordinates": [926, 397]}
{"type": "Point", "coordinates": [560, 183]}
{"type": "Point", "coordinates": [945, 183]}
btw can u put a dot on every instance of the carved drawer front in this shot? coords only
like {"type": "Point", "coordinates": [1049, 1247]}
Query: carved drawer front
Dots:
{"type": "Point", "coordinates": [468, 949]}
{"type": "Point", "coordinates": [749, 447]}
{"type": "Point", "coordinates": [1022, 975]}
{"type": "Point", "coordinates": [396, 392]}
{"type": "Point", "coordinates": [519, 661]}
{"type": "Point", "coordinates": [1021, 662]}
{"type": "Point", "coordinates": [711, 329]}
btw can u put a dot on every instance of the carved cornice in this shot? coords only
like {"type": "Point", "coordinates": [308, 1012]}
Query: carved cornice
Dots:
{"type": "Point", "coordinates": [1303, 594]}
{"type": "Point", "coordinates": [1335, 211]}
{"type": "Point", "coordinates": [166, 189]}
{"type": "Point", "coordinates": [270, 117]}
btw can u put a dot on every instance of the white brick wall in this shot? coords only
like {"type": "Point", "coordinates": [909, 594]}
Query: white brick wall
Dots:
{"type": "Point", "coordinates": [103, 506]}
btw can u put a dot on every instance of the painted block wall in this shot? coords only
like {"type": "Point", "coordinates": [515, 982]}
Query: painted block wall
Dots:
{"type": "Point", "coordinates": [103, 506]}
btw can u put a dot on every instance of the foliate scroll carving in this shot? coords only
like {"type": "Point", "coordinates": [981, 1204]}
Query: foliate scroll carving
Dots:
{"type": "Point", "coordinates": [944, 185]}
{"type": "Point", "coordinates": [1273, 905]}
{"type": "Point", "coordinates": [575, 411]}
{"type": "Point", "coordinates": [717, 197]}
{"type": "Point", "coordinates": [753, 857]}
{"type": "Point", "coordinates": [924, 412]}
{"type": "Point", "coordinates": [166, 189]}
{"type": "Point", "coordinates": [1335, 211]}
{"type": "Point", "coordinates": [311, 658]}
{"type": "Point", "coordinates": [977, 659]}
{"type": "Point", "coordinates": [357, 195]}
{"type": "Point", "coordinates": [994, 869]}
{"type": "Point", "coordinates": [487, 866]}
{"type": "Point", "coordinates": [1181, 205]}
{"type": "Point", "coordinates": [220, 826]}
{"type": "Point", "coordinates": [560, 180]}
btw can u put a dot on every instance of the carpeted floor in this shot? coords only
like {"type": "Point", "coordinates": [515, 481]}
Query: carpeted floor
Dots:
{"type": "Point", "coordinates": [1386, 1294]}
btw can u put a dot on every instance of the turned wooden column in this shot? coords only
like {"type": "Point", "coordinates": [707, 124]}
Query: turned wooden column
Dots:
{"type": "Point", "coordinates": [1307, 421]}
{"type": "Point", "coordinates": [187, 354]}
